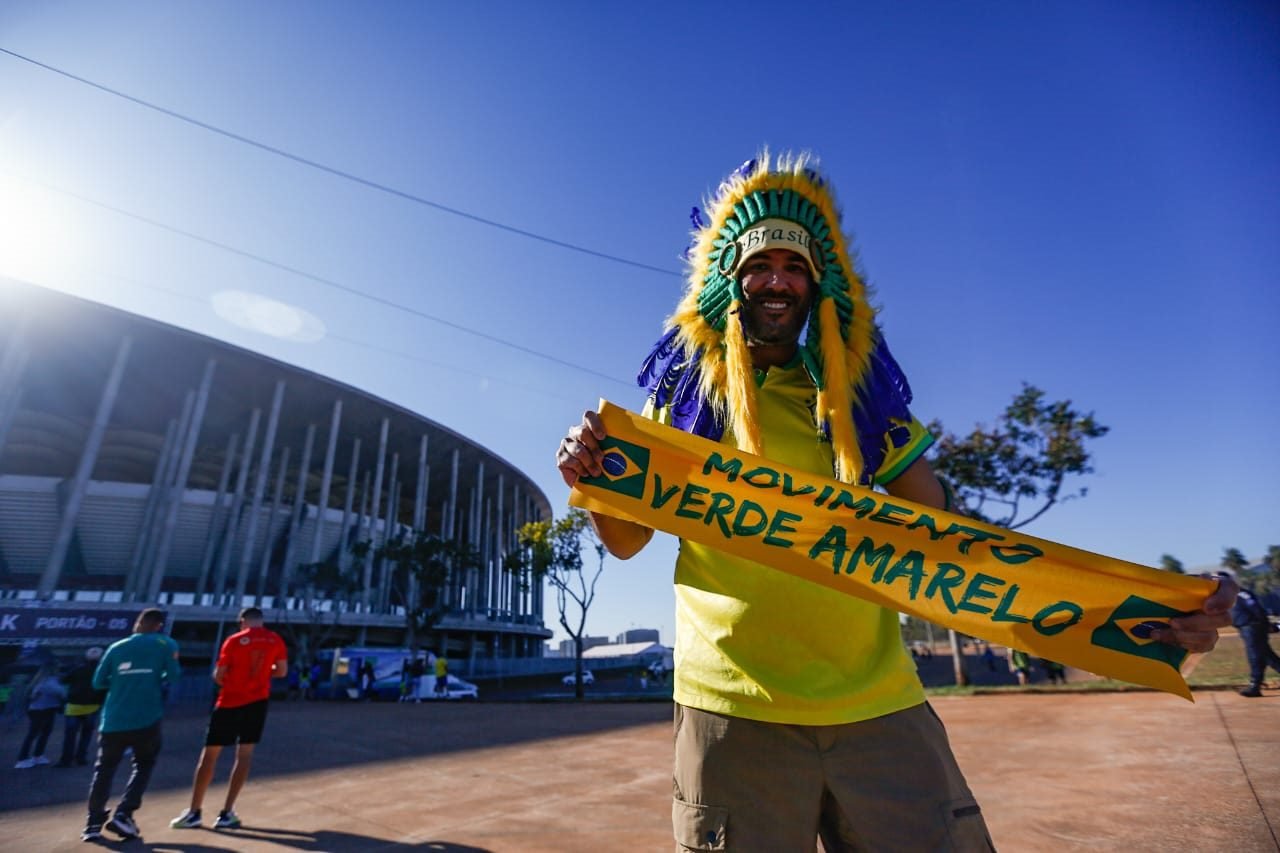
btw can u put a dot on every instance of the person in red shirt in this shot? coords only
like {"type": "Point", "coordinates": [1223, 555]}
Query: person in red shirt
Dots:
{"type": "Point", "coordinates": [249, 659]}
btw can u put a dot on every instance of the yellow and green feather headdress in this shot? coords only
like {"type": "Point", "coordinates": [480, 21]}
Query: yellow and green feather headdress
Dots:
{"type": "Point", "coordinates": [701, 368]}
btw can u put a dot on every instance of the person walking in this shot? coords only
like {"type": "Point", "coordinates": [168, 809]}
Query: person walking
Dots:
{"type": "Point", "coordinates": [249, 659]}
{"type": "Point", "coordinates": [83, 703]}
{"type": "Point", "coordinates": [416, 670]}
{"type": "Point", "coordinates": [1020, 666]}
{"type": "Point", "coordinates": [43, 703]}
{"type": "Point", "coordinates": [1253, 623]}
{"type": "Point", "coordinates": [134, 672]}
{"type": "Point", "coordinates": [798, 710]}
{"type": "Point", "coordinates": [442, 675]}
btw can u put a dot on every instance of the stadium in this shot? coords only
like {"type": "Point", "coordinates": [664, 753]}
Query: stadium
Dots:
{"type": "Point", "coordinates": [142, 464]}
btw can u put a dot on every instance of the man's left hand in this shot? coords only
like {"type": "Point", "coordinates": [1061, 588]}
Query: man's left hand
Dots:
{"type": "Point", "coordinates": [1198, 632]}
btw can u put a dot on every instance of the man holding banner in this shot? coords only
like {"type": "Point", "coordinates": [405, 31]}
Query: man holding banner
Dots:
{"type": "Point", "coordinates": [798, 709]}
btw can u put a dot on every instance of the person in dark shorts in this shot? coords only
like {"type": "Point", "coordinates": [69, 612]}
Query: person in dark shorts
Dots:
{"type": "Point", "coordinates": [249, 659]}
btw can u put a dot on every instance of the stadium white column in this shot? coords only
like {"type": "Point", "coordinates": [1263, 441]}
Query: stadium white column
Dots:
{"type": "Point", "coordinates": [326, 478]}
{"type": "Point", "coordinates": [134, 579]}
{"type": "Point", "coordinates": [499, 522]}
{"type": "Point", "coordinates": [492, 555]}
{"type": "Point", "coordinates": [237, 501]}
{"type": "Point", "coordinates": [367, 578]}
{"type": "Point", "coordinates": [539, 590]}
{"type": "Point", "coordinates": [217, 517]}
{"type": "Point", "coordinates": [361, 522]}
{"type": "Point", "coordinates": [451, 518]}
{"type": "Point", "coordinates": [295, 521]}
{"type": "Point", "coordinates": [88, 457]}
{"type": "Point", "coordinates": [476, 537]}
{"type": "Point", "coordinates": [180, 481]}
{"type": "Point", "coordinates": [277, 498]}
{"type": "Point", "coordinates": [259, 489]}
{"type": "Point", "coordinates": [344, 538]}
{"type": "Point", "coordinates": [156, 526]}
{"type": "Point", "coordinates": [383, 596]}
{"type": "Point", "coordinates": [420, 494]}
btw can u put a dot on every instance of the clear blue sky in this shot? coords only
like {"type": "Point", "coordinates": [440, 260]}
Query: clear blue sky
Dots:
{"type": "Point", "coordinates": [1079, 195]}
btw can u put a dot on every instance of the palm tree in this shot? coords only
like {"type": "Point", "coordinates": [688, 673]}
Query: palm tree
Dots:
{"type": "Point", "coordinates": [1233, 559]}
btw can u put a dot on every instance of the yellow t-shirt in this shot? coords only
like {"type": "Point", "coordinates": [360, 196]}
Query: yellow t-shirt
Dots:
{"type": "Point", "coordinates": [757, 643]}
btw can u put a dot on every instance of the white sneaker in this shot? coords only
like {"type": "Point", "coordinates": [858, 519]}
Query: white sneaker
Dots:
{"type": "Point", "coordinates": [25, 764]}
{"type": "Point", "coordinates": [40, 760]}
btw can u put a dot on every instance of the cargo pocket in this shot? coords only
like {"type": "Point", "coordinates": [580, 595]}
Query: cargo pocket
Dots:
{"type": "Point", "coordinates": [699, 827]}
{"type": "Point", "coordinates": [966, 828]}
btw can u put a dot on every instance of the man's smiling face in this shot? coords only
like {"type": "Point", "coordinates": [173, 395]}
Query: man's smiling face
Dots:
{"type": "Point", "coordinates": [777, 292]}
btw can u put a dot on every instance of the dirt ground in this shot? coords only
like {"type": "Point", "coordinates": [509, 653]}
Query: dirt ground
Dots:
{"type": "Point", "coordinates": [1117, 771]}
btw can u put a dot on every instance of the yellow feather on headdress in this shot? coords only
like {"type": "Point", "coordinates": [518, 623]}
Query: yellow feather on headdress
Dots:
{"type": "Point", "coordinates": [707, 321]}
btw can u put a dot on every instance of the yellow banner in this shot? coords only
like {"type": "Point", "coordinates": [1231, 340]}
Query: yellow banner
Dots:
{"type": "Point", "coordinates": [1076, 607]}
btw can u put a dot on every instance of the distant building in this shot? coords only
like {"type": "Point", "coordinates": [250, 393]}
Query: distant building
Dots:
{"type": "Point", "coordinates": [638, 635]}
{"type": "Point", "coordinates": [567, 650]}
{"type": "Point", "coordinates": [645, 654]}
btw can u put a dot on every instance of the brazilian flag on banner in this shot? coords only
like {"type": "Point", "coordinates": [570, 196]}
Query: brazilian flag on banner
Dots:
{"type": "Point", "coordinates": [626, 466]}
{"type": "Point", "coordinates": [1128, 631]}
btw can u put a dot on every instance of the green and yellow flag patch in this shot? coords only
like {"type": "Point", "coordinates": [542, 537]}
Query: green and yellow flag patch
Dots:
{"type": "Point", "coordinates": [1068, 605]}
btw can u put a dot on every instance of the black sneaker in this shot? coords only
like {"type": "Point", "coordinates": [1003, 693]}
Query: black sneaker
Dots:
{"type": "Point", "coordinates": [123, 825]}
{"type": "Point", "coordinates": [92, 832]}
{"type": "Point", "coordinates": [1251, 692]}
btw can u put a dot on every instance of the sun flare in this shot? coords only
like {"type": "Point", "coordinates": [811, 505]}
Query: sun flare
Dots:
{"type": "Point", "coordinates": [34, 242]}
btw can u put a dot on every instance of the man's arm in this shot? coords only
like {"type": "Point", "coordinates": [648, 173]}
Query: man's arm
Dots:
{"type": "Point", "coordinates": [918, 483]}
{"type": "Point", "coordinates": [280, 668]}
{"type": "Point", "coordinates": [579, 455]}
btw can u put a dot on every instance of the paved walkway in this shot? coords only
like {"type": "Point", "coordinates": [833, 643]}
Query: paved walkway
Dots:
{"type": "Point", "coordinates": [1134, 771]}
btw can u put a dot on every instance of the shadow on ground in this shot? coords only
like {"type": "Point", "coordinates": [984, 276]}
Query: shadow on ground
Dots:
{"type": "Point", "coordinates": [308, 736]}
{"type": "Point", "coordinates": [323, 840]}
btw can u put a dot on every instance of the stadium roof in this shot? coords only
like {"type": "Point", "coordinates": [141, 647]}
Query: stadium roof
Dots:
{"type": "Point", "coordinates": [72, 345]}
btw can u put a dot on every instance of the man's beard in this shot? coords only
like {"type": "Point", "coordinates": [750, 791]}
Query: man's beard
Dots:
{"type": "Point", "coordinates": [758, 328]}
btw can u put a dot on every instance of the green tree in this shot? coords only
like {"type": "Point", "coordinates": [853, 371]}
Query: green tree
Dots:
{"type": "Point", "coordinates": [1014, 472]}
{"type": "Point", "coordinates": [421, 568]}
{"type": "Point", "coordinates": [553, 551]}
{"type": "Point", "coordinates": [1170, 563]}
{"type": "Point", "coordinates": [1273, 563]}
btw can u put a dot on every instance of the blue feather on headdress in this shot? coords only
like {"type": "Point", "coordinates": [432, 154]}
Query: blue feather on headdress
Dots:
{"type": "Point", "coordinates": [671, 374]}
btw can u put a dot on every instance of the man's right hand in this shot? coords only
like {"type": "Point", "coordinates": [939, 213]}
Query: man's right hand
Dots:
{"type": "Point", "coordinates": [579, 453]}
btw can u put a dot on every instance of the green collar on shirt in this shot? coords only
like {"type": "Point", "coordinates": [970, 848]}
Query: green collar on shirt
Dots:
{"type": "Point", "coordinates": [795, 362]}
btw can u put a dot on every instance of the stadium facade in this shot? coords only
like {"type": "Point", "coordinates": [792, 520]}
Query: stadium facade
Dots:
{"type": "Point", "coordinates": [142, 464]}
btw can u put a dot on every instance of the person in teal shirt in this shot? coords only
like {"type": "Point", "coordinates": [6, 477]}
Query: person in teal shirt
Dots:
{"type": "Point", "coordinates": [134, 672]}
